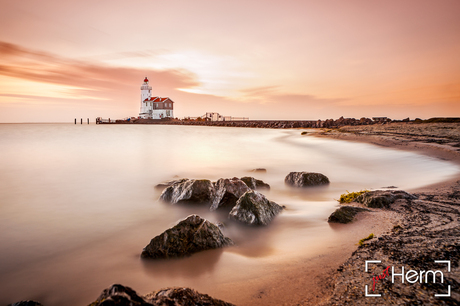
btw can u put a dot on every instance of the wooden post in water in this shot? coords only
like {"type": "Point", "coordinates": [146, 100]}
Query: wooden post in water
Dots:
{"type": "Point", "coordinates": [75, 120]}
{"type": "Point", "coordinates": [81, 120]}
{"type": "Point", "coordinates": [88, 120]}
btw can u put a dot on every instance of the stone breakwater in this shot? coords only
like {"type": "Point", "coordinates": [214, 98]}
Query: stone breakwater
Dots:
{"type": "Point", "coordinates": [274, 124]}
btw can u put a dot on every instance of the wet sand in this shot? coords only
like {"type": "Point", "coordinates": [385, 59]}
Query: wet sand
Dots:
{"type": "Point", "coordinates": [314, 280]}
{"type": "Point", "coordinates": [428, 227]}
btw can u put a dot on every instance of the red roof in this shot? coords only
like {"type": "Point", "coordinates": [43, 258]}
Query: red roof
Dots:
{"type": "Point", "coordinates": [158, 99]}
{"type": "Point", "coordinates": [146, 80]}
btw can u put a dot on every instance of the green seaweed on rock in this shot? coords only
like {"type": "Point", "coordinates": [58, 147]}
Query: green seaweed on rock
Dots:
{"type": "Point", "coordinates": [361, 242]}
{"type": "Point", "coordinates": [350, 196]}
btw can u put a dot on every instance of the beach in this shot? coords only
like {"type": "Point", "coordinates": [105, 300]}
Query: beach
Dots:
{"type": "Point", "coordinates": [103, 227]}
{"type": "Point", "coordinates": [338, 277]}
{"type": "Point", "coordinates": [427, 229]}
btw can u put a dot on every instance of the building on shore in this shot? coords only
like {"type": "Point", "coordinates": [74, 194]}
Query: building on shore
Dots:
{"type": "Point", "coordinates": [219, 117]}
{"type": "Point", "coordinates": [154, 107]}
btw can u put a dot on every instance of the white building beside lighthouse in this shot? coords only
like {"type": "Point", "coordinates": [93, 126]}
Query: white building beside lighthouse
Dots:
{"type": "Point", "coordinates": [154, 107]}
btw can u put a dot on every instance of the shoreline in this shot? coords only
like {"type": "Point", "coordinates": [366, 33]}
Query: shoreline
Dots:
{"type": "Point", "coordinates": [429, 224]}
{"type": "Point", "coordinates": [316, 280]}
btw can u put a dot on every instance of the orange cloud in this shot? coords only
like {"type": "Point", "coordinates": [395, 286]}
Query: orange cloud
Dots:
{"type": "Point", "coordinates": [89, 79]}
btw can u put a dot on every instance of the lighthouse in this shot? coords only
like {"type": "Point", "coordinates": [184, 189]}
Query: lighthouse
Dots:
{"type": "Point", "coordinates": [146, 92]}
{"type": "Point", "coordinates": [154, 107]}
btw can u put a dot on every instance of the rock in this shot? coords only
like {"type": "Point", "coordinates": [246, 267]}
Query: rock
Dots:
{"type": "Point", "coordinates": [345, 214]}
{"type": "Point", "coordinates": [305, 179]}
{"type": "Point", "coordinates": [182, 296]}
{"type": "Point", "coordinates": [185, 190]}
{"type": "Point", "coordinates": [255, 209]}
{"type": "Point", "coordinates": [26, 303]}
{"type": "Point", "coordinates": [383, 198]}
{"type": "Point", "coordinates": [227, 192]}
{"type": "Point", "coordinates": [191, 235]}
{"type": "Point", "coordinates": [255, 183]}
{"type": "Point", "coordinates": [260, 170]}
{"type": "Point", "coordinates": [170, 183]}
{"type": "Point", "coordinates": [119, 295]}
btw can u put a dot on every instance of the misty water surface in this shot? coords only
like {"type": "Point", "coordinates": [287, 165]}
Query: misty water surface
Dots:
{"type": "Point", "coordinates": [78, 202]}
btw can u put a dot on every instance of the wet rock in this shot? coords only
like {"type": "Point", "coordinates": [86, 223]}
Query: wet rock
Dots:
{"type": "Point", "coordinates": [227, 192]}
{"type": "Point", "coordinates": [191, 235]}
{"type": "Point", "coordinates": [305, 179]}
{"type": "Point", "coordinates": [119, 295]}
{"type": "Point", "coordinates": [185, 190]}
{"type": "Point", "coordinates": [182, 296]}
{"type": "Point", "coordinates": [255, 183]}
{"type": "Point", "coordinates": [26, 303]}
{"type": "Point", "coordinates": [383, 198]}
{"type": "Point", "coordinates": [255, 209]}
{"type": "Point", "coordinates": [345, 214]}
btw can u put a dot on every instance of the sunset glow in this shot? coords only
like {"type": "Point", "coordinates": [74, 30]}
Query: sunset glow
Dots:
{"type": "Point", "coordinates": [257, 59]}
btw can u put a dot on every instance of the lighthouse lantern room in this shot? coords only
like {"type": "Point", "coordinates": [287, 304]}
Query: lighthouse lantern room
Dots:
{"type": "Point", "coordinates": [154, 107]}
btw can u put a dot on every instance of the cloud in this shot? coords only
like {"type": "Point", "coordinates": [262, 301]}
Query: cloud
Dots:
{"type": "Point", "coordinates": [85, 79]}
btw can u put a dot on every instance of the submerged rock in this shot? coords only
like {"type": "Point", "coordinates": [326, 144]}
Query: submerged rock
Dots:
{"type": "Point", "coordinates": [169, 183]}
{"type": "Point", "coordinates": [255, 209]}
{"type": "Point", "coordinates": [119, 295]}
{"type": "Point", "coordinates": [185, 190]}
{"type": "Point", "coordinates": [182, 296]}
{"type": "Point", "coordinates": [345, 214]}
{"type": "Point", "coordinates": [260, 170]}
{"type": "Point", "coordinates": [305, 179]}
{"type": "Point", "coordinates": [383, 198]}
{"type": "Point", "coordinates": [227, 192]}
{"type": "Point", "coordinates": [191, 235]}
{"type": "Point", "coordinates": [26, 303]}
{"type": "Point", "coordinates": [254, 183]}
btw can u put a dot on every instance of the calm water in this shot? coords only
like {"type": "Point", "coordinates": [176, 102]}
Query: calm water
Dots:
{"type": "Point", "coordinates": [78, 204]}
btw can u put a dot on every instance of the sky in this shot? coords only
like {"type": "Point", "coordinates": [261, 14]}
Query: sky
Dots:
{"type": "Point", "coordinates": [300, 60]}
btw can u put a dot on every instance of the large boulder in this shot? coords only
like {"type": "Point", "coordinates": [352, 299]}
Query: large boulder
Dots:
{"type": "Point", "coordinates": [191, 235]}
{"type": "Point", "coordinates": [255, 183]}
{"type": "Point", "coordinates": [182, 296]}
{"type": "Point", "coordinates": [255, 209]}
{"type": "Point", "coordinates": [227, 192]}
{"type": "Point", "coordinates": [119, 295]}
{"type": "Point", "coordinates": [383, 198]}
{"type": "Point", "coordinates": [306, 179]}
{"type": "Point", "coordinates": [345, 214]}
{"type": "Point", "coordinates": [185, 190]}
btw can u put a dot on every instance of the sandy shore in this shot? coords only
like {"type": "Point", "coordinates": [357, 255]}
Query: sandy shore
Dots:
{"type": "Point", "coordinates": [405, 234]}
{"type": "Point", "coordinates": [425, 230]}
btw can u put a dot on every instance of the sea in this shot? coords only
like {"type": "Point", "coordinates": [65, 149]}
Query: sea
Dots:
{"type": "Point", "coordinates": [78, 203]}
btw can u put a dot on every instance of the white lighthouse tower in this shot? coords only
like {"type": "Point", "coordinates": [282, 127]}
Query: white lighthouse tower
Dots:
{"type": "Point", "coordinates": [146, 93]}
{"type": "Point", "coordinates": [154, 107]}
